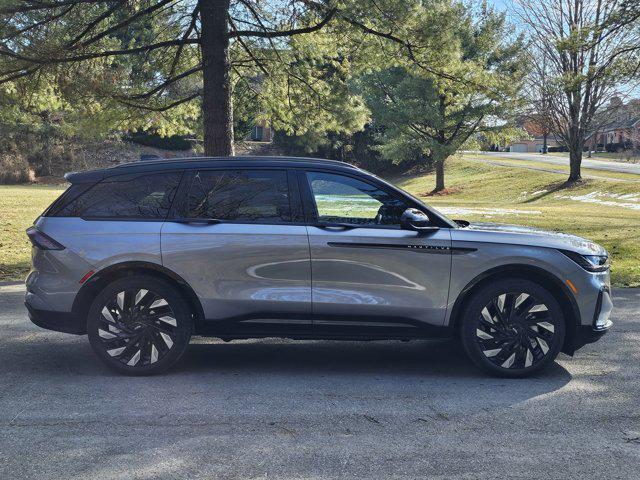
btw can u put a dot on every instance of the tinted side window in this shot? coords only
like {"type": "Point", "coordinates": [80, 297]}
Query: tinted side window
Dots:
{"type": "Point", "coordinates": [240, 195]}
{"type": "Point", "coordinates": [69, 195]}
{"type": "Point", "coordinates": [348, 200]}
{"type": "Point", "coordinates": [147, 196]}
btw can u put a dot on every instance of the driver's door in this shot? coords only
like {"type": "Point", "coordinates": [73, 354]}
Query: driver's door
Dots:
{"type": "Point", "coordinates": [368, 273]}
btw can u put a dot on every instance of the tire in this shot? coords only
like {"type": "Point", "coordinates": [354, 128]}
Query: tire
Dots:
{"type": "Point", "coordinates": [139, 325]}
{"type": "Point", "coordinates": [512, 328]}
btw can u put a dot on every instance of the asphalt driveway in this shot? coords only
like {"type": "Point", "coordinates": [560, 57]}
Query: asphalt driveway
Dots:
{"type": "Point", "coordinates": [599, 164]}
{"type": "Point", "coordinates": [281, 409]}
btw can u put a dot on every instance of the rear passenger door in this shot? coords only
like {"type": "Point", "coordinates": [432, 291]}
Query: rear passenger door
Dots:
{"type": "Point", "coordinates": [238, 238]}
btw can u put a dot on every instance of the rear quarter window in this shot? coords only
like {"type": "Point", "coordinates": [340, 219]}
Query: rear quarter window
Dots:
{"type": "Point", "coordinates": [139, 196]}
{"type": "Point", "coordinates": [71, 193]}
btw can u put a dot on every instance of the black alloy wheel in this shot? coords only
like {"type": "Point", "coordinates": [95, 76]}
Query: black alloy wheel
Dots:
{"type": "Point", "coordinates": [139, 325]}
{"type": "Point", "coordinates": [513, 328]}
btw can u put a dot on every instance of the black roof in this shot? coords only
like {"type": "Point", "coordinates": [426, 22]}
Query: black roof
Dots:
{"type": "Point", "coordinates": [163, 164]}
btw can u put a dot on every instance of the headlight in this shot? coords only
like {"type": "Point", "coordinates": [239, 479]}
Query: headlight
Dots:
{"type": "Point", "coordinates": [591, 263]}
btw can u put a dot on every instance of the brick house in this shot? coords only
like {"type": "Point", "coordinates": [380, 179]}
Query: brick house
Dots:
{"type": "Point", "coordinates": [620, 128]}
{"type": "Point", "coordinates": [623, 135]}
{"type": "Point", "coordinates": [535, 141]}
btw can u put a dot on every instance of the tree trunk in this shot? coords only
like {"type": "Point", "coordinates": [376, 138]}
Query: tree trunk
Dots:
{"type": "Point", "coordinates": [575, 142]}
{"type": "Point", "coordinates": [217, 107]}
{"type": "Point", "coordinates": [575, 161]}
{"type": "Point", "coordinates": [442, 140]}
{"type": "Point", "coordinates": [439, 176]}
{"type": "Point", "coordinates": [545, 147]}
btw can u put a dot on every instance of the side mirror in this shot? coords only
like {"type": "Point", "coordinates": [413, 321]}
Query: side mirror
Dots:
{"type": "Point", "coordinates": [417, 220]}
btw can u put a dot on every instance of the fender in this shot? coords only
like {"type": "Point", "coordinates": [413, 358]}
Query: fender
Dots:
{"type": "Point", "coordinates": [102, 277]}
{"type": "Point", "coordinates": [557, 288]}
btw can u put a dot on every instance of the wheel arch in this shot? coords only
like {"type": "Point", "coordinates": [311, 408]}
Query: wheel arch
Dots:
{"type": "Point", "coordinates": [553, 284]}
{"type": "Point", "coordinates": [102, 278]}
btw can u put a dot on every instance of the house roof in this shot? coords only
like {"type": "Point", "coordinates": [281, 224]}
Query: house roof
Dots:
{"type": "Point", "coordinates": [622, 124]}
{"type": "Point", "coordinates": [619, 116]}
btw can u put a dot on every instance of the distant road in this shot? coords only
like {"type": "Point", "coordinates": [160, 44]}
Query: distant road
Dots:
{"type": "Point", "coordinates": [564, 161]}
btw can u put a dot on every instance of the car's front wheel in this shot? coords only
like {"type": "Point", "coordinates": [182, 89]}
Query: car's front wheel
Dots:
{"type": "Point", "coordinates": [513, 328]}
{"type": "Point", "coordinates": [139, 325]}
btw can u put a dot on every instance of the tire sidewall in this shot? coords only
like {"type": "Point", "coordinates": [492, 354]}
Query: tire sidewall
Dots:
{"type": "Point", "coordinates": [180, 309]}
{"type": "Point", "coordinates": [482, 297]}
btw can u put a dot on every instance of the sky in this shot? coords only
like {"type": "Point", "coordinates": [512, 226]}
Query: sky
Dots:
{"type": "Point", "coordinates": [502, 4]}
{"type": "Point", "coordinates": [506, 5]}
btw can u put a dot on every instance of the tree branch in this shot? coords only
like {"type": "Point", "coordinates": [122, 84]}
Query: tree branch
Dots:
{"type": "Point", "coordinates": [19, 74]}
{"type": "Point", "coordinates": [40, 23]}
{"type": "Point", "coordinates": [89, 56]}
{"type": "Point", "coordinates": [284, 33]}
{"type": "Point", "coordinates": [95, 23]}
{"type": "Point", "coordinates": [192, 25]}
{"type": "Point", "coordinates": [164, 108]}
{"type": "Point", "coordinates": [126, 22]}
{"type": "Point", "coordinates": [165, 84]}
{"type": "Point", "coordinates": [246, 48]}
{"type": "Point", "coordinates": [44, 5]}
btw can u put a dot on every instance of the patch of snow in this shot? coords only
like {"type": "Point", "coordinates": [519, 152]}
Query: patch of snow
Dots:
{"type": "Point", "coordinates": [487, 212]}
{"type": "Point", "coordinates": [539, 192]}
{"type": "Point", "coordinates": [634, 197]}
{"type": "Point", "coordinates": [598, 198]}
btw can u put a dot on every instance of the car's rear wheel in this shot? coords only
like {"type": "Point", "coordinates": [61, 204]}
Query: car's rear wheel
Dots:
{"type": "Point", "coordinates": [513, 328]}
{"type": "Point", "coordinates": [139, 325]}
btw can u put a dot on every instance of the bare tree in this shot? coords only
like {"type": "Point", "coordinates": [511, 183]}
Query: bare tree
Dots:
{"type": "Point", "coordinates": [589, 48]}
{"type": "Point", "coordinates": [537, 93]}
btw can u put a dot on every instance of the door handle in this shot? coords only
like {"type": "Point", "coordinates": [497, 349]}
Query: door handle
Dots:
{"type": "Point", "coordinates": [197, 221]}
{"type": "Point", "coordinates": [335, 226]}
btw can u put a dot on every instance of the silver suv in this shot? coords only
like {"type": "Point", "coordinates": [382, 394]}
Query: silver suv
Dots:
{"type": "Point", "coordinates": [142, 256]}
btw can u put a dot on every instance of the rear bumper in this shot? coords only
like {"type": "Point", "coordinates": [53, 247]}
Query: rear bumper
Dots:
{"type": "Point", "coordinates": [65, 322]}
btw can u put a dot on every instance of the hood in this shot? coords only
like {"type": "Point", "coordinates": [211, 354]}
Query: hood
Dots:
{"type": "Point", "coordinates": [516, 234]}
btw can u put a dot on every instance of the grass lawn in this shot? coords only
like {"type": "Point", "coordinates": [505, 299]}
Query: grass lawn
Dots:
{"type": "Point", "coordinates": [606, 211]}
{"type": "Point", "coordinates": [19, 207]}
{"type": "Point", "coordinates": [553, 168]}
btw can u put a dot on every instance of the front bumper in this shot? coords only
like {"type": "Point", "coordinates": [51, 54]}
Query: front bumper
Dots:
{"type": "Point", "coordinates": [601, 323]}
{"type": "Point", "coordinates": [65, 322]}
{"type": "Point", "coordinates": [585, 335]}
{"type": "Point", "coordinates": [604, 306]}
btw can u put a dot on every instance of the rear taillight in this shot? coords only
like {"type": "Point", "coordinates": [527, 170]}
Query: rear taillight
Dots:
{"type": "Point", "coordinates": [42, 241]}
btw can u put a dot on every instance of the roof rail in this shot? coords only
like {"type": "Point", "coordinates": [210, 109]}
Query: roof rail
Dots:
{"type": "Point", "coordinates": [160, 160]}
{"type": "Point", "coordinates": [134, 167]}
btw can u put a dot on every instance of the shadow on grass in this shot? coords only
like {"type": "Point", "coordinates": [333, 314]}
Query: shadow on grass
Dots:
{"type": "Point", "coordinates": [442, 192]}
{"type": "Point", "coordinates": [555, 187]}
